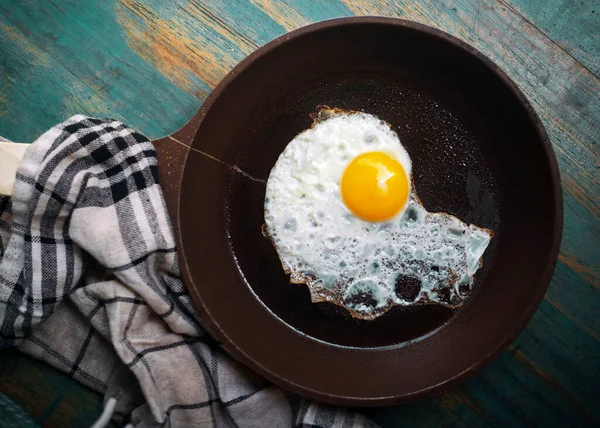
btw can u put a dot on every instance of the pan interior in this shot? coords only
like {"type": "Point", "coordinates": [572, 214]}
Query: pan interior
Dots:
{"type": "Point", "coordinates": [454, 170]}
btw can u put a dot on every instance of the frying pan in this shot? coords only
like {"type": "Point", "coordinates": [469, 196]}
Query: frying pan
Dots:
{"type": "Point", "coordinates": [479, 152]}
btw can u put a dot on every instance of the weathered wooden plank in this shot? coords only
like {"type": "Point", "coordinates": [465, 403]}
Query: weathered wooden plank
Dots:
{"type": "Point", "coordinates": [50, 70]}
{"type": "Point", "coordinates": [567, 293]}
{"type": "Point", "coordinates": [507, 393]}
{"type": "Point", "coordinates": [564, 355]}
{"type": "Point", "coordinates": [574, 25]}
{"type": "Point", "coordinates": [455, 408]}
{"type": "Point", "coordinates": [192, 55]}
{"type": "Point", "coordinates": [52, 398]}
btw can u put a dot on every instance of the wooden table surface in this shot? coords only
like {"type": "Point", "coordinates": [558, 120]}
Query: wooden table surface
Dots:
{"type": "Point", "coordinates": [151, 64]}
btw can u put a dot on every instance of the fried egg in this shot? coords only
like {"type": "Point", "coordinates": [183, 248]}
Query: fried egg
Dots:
{"type": "Point", "coordinates": [344, 217]}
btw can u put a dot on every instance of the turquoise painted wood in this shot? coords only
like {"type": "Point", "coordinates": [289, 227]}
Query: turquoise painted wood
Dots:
{"type": "Point", "coordinates": [573, 25]}
{"type": "Point", "coordinates": [151, 64]}
{"type": "Point", "coordinates": [51, 398]}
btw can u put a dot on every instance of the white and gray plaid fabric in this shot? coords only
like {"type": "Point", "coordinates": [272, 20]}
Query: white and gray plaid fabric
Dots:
{"type": "Point", "coordinates": [89, 282]}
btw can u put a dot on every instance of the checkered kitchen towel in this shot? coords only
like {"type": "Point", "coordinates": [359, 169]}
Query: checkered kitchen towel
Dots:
{"type": "Point", "coordinates": [89, 282]}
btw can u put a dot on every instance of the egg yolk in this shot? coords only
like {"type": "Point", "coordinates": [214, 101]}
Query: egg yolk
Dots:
{"type": "Point", "coordinates": [375, 186]}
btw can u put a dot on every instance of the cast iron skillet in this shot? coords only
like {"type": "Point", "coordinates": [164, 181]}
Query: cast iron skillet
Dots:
{"type": "Point", "coordinates": [479, 152]}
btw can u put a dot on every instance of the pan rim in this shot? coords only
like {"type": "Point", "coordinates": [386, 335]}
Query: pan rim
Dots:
{"type": "Point", "coordinates": [542, 284]}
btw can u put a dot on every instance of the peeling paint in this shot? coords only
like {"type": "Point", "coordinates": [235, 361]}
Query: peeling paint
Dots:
{"type": "Point", "coordinates": [285, 15]}
{"type": "Point", "coordinates": [168, 46]}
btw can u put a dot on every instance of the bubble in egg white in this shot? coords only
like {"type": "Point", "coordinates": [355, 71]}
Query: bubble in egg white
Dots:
{"type": "Point", "coordinates": [352, 262]}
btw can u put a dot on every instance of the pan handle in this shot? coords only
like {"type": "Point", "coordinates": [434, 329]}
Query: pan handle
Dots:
{"type": "Point", "coordinates": [11, 155]}
{"type": "Point", "coordinates": [172, 151]}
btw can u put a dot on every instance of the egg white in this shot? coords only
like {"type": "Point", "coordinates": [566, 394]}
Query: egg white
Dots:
{"type": "Point", "coordinates": [349, 261]}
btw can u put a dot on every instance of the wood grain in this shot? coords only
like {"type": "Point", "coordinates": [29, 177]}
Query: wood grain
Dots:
{"type": "Point", "coordinates": [152, 63]}
{"type": "Point", "coordinates": [63, 59]}
{"type": "Point", "coordinates": [51, 398]}
{"type": "Point", "coordinates": [573, 25]}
